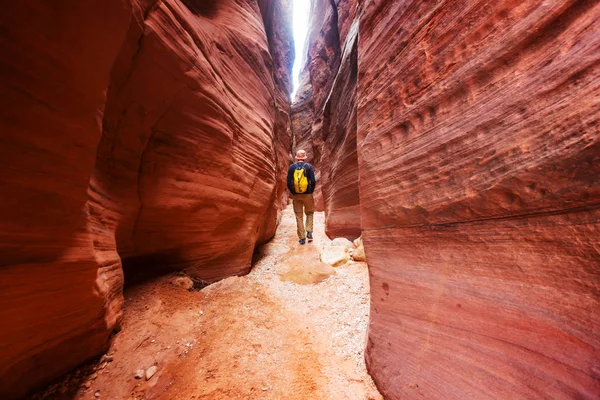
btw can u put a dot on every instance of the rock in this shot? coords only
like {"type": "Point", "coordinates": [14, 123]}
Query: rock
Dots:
{"type": "Point", "coordinates": [123, 139]}
{"type": "Point", "coordinates": [139, 374]}
{"type": "Point", "coordinates": [106, 358]}
{"type": "Point", "coordinates": [97, 394]}
{"type": "Point", "coordinates": [479, 158]}
{"type": "Point", "coordinates": [150, 372]}
{"type": "Point", "coordinates": [335, 255]}
{"type": "Point", "coordinates": [343, 242]}
{"type": "Point", "coordinates": [183, 282]}
{"type": "Point", "coordinates": [358, 254]}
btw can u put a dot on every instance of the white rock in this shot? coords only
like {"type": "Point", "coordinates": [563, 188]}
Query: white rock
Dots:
{"type": "Point", "coordinates": [139, 374]}
{"type": "Point", "coordinates": [150, 372]}
{"type": "Point", "coordinates": [342, 242]}
{"type": "Point", "coordinates": [335, 256]}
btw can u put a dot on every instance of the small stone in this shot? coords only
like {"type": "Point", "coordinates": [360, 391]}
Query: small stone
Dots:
{"type": "Point", "coordinates": [97, 394]}
{"type": "Point", "coordinates": [94, 376]}
{"type": "Point", "coordinates": [183, 282]}
{"type": "Point", "coordinates": [87, 385]}
{"type": "Point", "coordinates": [265, 389]}
{"type": "Point", "coordinates": [139, 374]}
{"type": "Point", "coordinates": [150, 372]}
{"type": "Point", "coordinates": [106, 358]}
{"type": "Point", "coordinates": [153, 341]}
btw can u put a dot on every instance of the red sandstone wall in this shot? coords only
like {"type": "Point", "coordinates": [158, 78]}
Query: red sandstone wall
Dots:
{"type": "Point", "coordinates": [479, 159]}
{"type": "Point", "coordinates": [151, 135]}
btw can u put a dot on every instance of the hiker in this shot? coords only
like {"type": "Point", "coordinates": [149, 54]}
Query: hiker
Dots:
{"type": "Point", "coordinates": [301, 182]}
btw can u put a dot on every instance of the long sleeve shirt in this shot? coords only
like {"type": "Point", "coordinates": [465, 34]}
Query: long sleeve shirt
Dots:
{"type": "Point", "coordinates": [310, 175]}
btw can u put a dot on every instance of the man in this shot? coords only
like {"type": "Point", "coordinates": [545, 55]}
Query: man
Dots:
{"type": "Point", "coordinates": [301, 182]}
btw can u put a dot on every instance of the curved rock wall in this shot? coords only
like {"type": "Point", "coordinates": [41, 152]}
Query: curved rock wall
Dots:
{"type": "Point", "coordinates": [479, 158]}
{"type": "Point", "coordinates": [149, 134]}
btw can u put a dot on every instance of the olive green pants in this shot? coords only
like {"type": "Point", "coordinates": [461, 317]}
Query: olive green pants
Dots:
{"type": "Point", "coordinates": [304, 204]}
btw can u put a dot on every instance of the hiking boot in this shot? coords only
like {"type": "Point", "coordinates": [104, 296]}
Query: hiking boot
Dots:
{"type": "Point", "coordinates": [302, 241]}
{"type": "Point", "coordinates": [309, 236]}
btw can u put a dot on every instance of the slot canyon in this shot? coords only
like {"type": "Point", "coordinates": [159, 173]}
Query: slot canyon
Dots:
{"type": "Point", "coordinates": [144, 146]}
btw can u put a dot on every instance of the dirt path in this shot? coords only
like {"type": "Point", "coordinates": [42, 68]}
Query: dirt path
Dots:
{"type": "Point", "coordinates": [252, 337]}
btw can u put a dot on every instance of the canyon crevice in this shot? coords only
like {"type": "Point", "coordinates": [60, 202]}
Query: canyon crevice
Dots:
{"type": "Point", "coordinates": [460, 140]}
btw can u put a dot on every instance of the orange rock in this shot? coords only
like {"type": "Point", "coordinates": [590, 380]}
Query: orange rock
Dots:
{"type": "Point", "coordinates": [152, 135]}
{"type": "Point", "coordinates": [479, 158]}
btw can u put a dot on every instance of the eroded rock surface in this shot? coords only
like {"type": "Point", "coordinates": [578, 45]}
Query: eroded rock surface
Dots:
{"type": "Point", "coordinates": [149, 134]}
{"type": "Point", "coordinates": [479, 158]}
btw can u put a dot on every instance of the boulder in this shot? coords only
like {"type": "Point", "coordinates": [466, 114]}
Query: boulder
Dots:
{"type": "Point", "coordinates": [358, 254]}
{"type": "Point", "coordinates": [343, 242]}
{"type": "Point", "coordinates": [335, 255]}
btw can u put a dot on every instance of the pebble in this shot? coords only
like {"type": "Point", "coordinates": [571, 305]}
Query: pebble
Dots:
{"type": "Point", "coordinates": [106, 358]}
{"type": "Point", "coordinates": [97, 394]}
{"type": "Point", "coordinates": [139, 374]}
{"type": "Point", "coordinates": [150, 372]}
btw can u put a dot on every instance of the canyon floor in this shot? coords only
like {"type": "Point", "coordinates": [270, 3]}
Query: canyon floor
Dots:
{"type": "Point", "coordinates": [293, 328]}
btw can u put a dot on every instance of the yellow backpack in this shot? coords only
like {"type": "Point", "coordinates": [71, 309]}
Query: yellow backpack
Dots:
{"type": "Point", "coordinates": [300, 180]}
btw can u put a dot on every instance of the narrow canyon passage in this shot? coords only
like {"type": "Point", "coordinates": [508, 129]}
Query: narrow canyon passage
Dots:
{"type": "Point", "coordinates": [294, 328]}
{"type": "Point", "coordinates": [146, 142]}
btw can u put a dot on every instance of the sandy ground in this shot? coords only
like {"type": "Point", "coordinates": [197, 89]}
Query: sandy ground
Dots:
{"type": "Point", "coordinates": [251, 337]}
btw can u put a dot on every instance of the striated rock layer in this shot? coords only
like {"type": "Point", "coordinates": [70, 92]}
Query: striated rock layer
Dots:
{"type": "Point", "coordinates": [330, 90]}
{"type": "Point", "coordinates": [144, 134]}
{"type": "Point", "coordinates": [479, 158]}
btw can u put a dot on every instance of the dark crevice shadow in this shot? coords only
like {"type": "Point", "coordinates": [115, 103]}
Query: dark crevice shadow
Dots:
{"type": "Point", "coordinates": [203, 8]}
